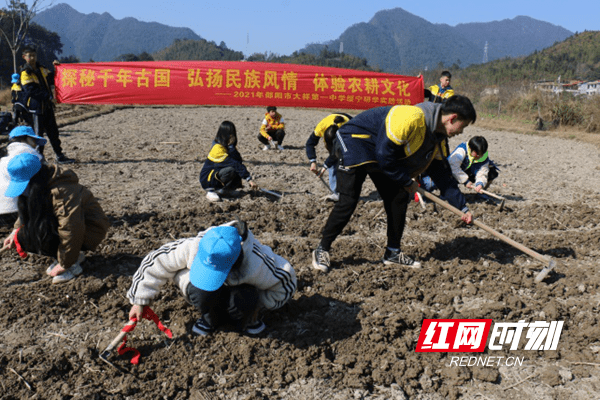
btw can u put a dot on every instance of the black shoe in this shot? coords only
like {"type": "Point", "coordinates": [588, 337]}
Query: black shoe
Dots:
{"type": "Point", "coordinates": [320, 259]}
{"type": "Point", "coordinates": [399, 258]}
{"type": "Point", "coordinates": [62, 159]}
{"type": "Point", "coordinates": [255, 328]}
{"type": "Point", "coordinates": [202, 327]}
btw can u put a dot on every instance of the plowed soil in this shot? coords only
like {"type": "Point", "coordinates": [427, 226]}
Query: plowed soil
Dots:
{"type": "Point", "coordinates": [347, 334]}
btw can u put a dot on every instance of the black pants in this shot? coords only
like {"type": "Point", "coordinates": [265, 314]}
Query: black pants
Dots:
{"type": "Point", "coordinates": [349, 184]}
{"type": "Point", "coordinates": [46, 123]}
{"type": "Point", "coordinates": [229, 179]}
{"type": "Point", "coordinates": [277, 136]}
{"type": "Point", "coordinates": [228, 305]}
{"type": "Point", "coordinates": [8, 219]}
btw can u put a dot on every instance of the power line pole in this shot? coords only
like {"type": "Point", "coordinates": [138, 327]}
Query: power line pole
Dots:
{"type": "Point", "coordinates": [485, 52]}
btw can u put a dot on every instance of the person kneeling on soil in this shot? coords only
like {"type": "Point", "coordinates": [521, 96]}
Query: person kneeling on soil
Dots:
{"type": "Point", "coordinates": [224, 272]}
{"type": "Point", "coordinates": [58, 217]}
{"type": "Point", "coordinates": [470, 166]}
{"type": "Point", "coordinates": [223, 169]}
{"type": "Point", "coordinates": [272, 130]}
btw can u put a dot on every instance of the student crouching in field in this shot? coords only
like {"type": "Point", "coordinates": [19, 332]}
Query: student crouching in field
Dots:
{"type": "Point", "coordinates": [228, 275]}
{"type": "Point", "coordinates": [58, 217]}
{"type": "Point", "coordinates": [21, 140]}
{"type": "Point", "coordinates": [272, 130]}
{"type": "Point", "coordinates": [223, 169]}
{"type": "Point", "coordinates": [470, 166]}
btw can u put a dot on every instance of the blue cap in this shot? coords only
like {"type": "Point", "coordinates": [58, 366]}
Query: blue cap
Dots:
{"type": "Point", "coordinates": [14, 78]}
{"type": "Point", "coordinates": [21, 169]}
{"type": "Point", "coordinates": [218, 250]}
{"type": "Point", "coordinates": [27, 131]}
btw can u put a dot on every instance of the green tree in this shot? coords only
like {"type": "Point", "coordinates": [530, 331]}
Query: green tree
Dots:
{"type": "Point", "coordinates": [15, 21]}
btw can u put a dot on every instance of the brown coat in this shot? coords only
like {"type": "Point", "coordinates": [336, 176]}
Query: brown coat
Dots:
{"type": "Point", "coordinates": [82, 224]}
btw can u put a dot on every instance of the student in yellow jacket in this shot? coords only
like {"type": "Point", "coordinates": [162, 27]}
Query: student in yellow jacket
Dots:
{"type": "Point", "coordinates": [326, 129]}
{"type": "Point", "coordinates": [58, 217]}
{"type": "Point", "coordinates": [272, 130]}
{"type": "Point", "coordinates": [392, 145]}
{"type": "Point", "coordinates": [442, 91]}
{"type": "Point", "coordinates": [36, 82]}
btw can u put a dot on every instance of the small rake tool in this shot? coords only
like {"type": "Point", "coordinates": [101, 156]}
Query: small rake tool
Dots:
{"type": "Point", "coordinates": [108, 351]}
{"type": "Point", "coordinates": [497, 197]}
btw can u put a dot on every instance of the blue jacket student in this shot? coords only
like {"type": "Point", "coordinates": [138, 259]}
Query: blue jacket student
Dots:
{"type": "Point", "coordinates": [393, 145]}
{"type": "Point", "coordinates": [466, 168]}
{"type": "Point", "coordinates": [401, 142]}
{"type": "Point", "coordinates": [219, 158]}
{"type": "Point", "coordinates": [326, 129]}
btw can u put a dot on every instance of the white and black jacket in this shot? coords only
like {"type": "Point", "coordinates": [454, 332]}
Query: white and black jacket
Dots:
{"type": "Point", "coordinates": [271, 274]}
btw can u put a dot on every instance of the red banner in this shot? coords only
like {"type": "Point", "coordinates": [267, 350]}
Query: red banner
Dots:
{"type": "Point", "coordinates": [233, 83]}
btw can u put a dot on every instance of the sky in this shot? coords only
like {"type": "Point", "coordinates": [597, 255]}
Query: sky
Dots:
{"type": "Point", "coordinates": [282, 27]}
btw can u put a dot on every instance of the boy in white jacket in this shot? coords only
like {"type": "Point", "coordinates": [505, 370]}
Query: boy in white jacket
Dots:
{"type": "Point", "coordinates": [226, 273]}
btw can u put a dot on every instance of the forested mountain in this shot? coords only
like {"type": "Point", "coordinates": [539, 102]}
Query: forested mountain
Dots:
{"type": "Point", "coordinates": [197, 50]}
{"type": "Point", "coordinates": [576, 58]}
{"type": "Point", "coordinates": [326, 58]}
{"type": "Point", "coordinates": [205, 50]}
{"type": "Point", "coordinates": [100, 37]}
{"type": "Point", "coordinates": [393, 41]}
{"type": "Point", "coordinates": [398, 41]}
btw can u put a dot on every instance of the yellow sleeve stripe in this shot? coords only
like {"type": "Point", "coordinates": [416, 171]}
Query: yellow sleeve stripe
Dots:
{"type": "Point", "coordinates": [28, 78]}
{"type": "Point", "coordinates": [405, 126]}
{"type": "Point", "coordinates": [217, 154]}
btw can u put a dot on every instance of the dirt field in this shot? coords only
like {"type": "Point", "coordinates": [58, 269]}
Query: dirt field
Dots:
{"type": "Point", "coordinates": [348, 334]}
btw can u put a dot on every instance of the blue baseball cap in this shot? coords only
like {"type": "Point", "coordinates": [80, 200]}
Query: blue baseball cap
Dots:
{"type": "Point", "coordinates": [21, 169]}
{"type": "Point", "coordinates": [27, 131]}
{"type": "Point", "coordinates": [14, 78]}
{"type": "Point", "coordinates": [218, 250]}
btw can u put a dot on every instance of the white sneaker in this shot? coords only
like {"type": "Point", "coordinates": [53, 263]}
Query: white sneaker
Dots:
{"type": "Point", "coordinates": [267, 147]}
{"type": "Point", "coordinates": [335, 197]}
{"type": "Point", "coordinates": [212, 196]}
{"type": "Point", "coordinates": [280, 147]}
{"type": "Point", "coordinates": [64, 277]}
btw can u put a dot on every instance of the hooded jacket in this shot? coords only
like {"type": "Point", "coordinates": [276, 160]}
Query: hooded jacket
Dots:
{"type": "Point", "coordinates": [271, 274]}
{"type": "Point", "coordinates": [402, 142]}
{"type": "Point", "coordinates": [82, 223]}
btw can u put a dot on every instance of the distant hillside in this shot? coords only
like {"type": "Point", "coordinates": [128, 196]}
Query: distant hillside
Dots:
{"type": "Point", "coordinates": [576, 58]}
{"type": "Point", "coordinates": [515, 37]}
{"type": "Point", "coordinates": [100, 37]}
{"type": "Point", "coordinates": [398, 41]}
{"type": "Point", "coordinates": [197, 50]}
{"type": "Point", "coordinates": [326, 58]}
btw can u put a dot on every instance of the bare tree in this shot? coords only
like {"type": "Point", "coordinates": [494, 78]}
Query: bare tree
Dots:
{"type": "Point", "coordinates": [14, 23]}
